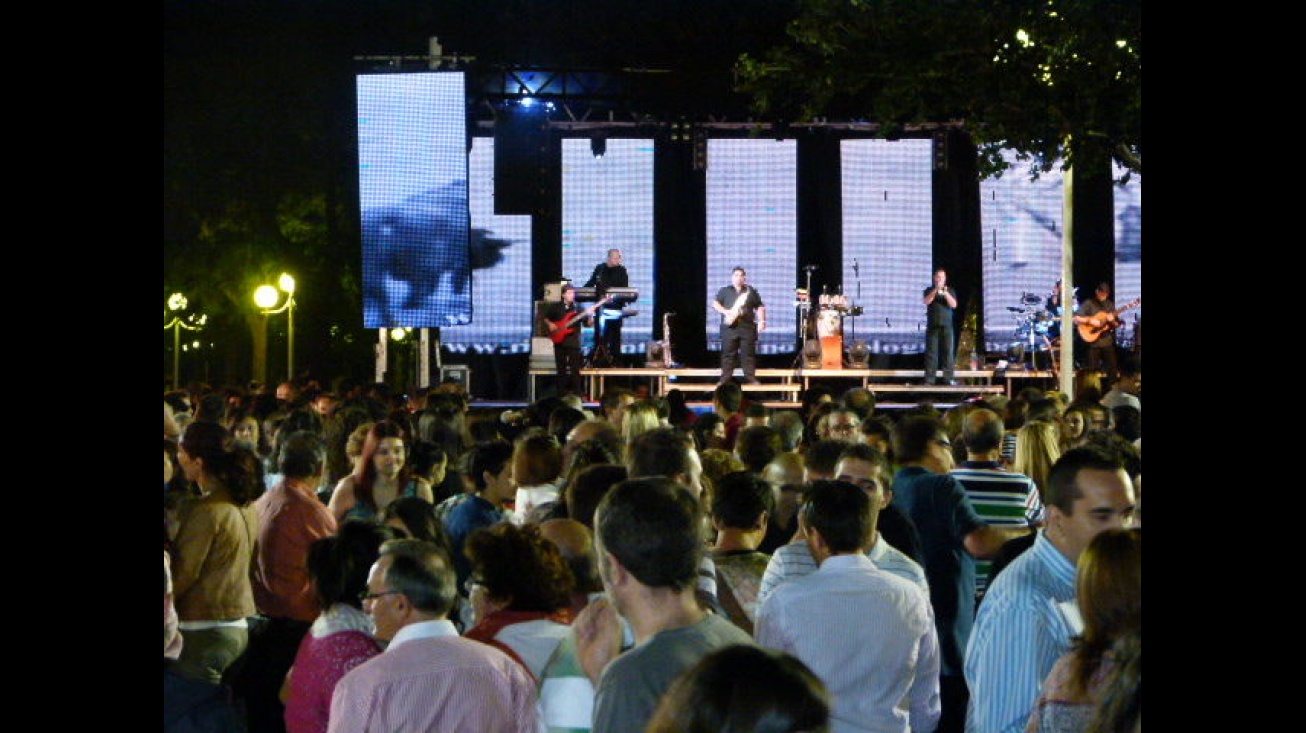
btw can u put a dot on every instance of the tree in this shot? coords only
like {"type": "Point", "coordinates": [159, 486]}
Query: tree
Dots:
{"type": "Point", "coordinates": [1059, 81]}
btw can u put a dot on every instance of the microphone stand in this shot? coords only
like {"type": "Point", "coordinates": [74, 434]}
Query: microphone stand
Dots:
{"type": "Point", "coordinates": [803, 312]}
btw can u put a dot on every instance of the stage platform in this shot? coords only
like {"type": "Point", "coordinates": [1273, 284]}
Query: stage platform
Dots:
{"type": "Point", "coordinates": [784, 387]}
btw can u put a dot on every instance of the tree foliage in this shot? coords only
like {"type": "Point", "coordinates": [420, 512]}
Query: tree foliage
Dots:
{"type": "Point", "coordinates": [1056, 80]}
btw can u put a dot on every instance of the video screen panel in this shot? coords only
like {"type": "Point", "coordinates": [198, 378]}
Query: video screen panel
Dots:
{"type": "Point", "coordinates": [412, 190]}
{"type": "Point", "coordinates": [1129, 256]}
{"type": "Point", "coordinates": [752, 222]}
{"type": "Point", "coordinates": [607, 203]}
{"type": "Point", "coordinates": [887, 233]}
{"type": "Point", "coordinates": [501, 269]}
{"type": "Point", "coordinates": [1022, 231]}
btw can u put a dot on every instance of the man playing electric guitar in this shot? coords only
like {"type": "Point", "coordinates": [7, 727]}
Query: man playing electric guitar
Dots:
{"type": "Point", "coordinates": [563, 321]}
{"type": "Point", "coordinates": [1097, 320]}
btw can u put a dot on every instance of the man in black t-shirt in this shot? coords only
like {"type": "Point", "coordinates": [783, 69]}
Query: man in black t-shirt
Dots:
{"type": "Point", "coordinates": [743, 316]}
{"type": "Point", "coordinates": [609, 274]}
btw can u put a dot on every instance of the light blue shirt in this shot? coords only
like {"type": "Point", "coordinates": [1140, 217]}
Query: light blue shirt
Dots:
{"type": "Point", "coordinates": [1020, 632]}
{"type": "Point", "coordinates": [868, 635]}
{"type": "Point", "coordinates": [795, 560]}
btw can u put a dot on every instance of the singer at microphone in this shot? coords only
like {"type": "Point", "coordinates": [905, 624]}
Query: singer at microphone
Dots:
{"type": "Point", "coordinates": [939, 342]}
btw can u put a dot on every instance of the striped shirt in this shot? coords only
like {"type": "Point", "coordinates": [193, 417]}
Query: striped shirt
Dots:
{"type": "Point", "coordinates": [1024, 625]}
{"type": "Point", "coordinates": [429, 678]}
{"type": "Point", "coordinates": [795, 560]}
{"type": "Point", "coordinates": [1001, 497]}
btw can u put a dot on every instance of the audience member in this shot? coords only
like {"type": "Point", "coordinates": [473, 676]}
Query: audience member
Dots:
{"type": "Point", "coordinates": [952, 536]}
{"type": "Point", "coordinates": [490, 467]}
{"type": "Point", "coordinates": [865, 468]}
{"type": "Point", "coordinates": [216, 534]}
{"type": "Point", "coordinates": [1026, 620]}
{"type": "Point", "coordinates": [744, 689]}
{"type": "Point", "coordinates": [742, 504]}
{"type": "Point", "coordinates": [537, 471]}
{"type": "Point", "coordinates": [588, 488]}
{"type": "Point", "coordinates": [381, 475]}
{"type": "Point", "coordinates": [883, 675]}
{"type": "Point", "coordinates": [1001, 497]}
{"type": "Point", "coordinates": [1109, 595]}
{"type": "Point", "coordinates": [789, 424]}
{"type": "Point", "coordinates": [290, 520]}
{"type": "Point", "coordinates": [756, 446]}
{"type": "Point", "coordinates": [340, 638]}
{"type": "Point", "coordinates": [428, 678]}
{"type": "Point", "coordinates": [189, 705]}
{"type": "Point", "coordinates": [520, 591]}
{"type": "Point", "coordinates": [786, 474]}
{"type": "Point", "coordinates": [413, 517]}
{"type": "Point", "coordinates": [649, 542]}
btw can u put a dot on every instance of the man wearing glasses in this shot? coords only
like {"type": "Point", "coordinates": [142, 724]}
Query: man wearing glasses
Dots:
{"type": "Point", "coordinates": [429, 677]}
{"type": "Point", "coordinates": [952, 536]}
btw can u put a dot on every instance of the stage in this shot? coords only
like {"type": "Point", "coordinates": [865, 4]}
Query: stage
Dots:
{"type": "Point", "coordinates": [783, 388]}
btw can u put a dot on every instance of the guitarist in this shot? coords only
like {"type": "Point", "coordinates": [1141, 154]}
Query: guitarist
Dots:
{"type": "Point", "coordinates": [743, 316]}
{"type": "Point", "coordinates": [566, 317]}
{"type": "Point", "coordinates": [1100, 310]}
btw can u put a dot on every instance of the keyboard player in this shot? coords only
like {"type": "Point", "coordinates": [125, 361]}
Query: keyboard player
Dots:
{"type": "Point", "coordinates": [607, 327]}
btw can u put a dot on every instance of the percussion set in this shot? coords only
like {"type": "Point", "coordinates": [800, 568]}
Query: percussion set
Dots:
{"type": "Point", "coordinates": [1033, 320]}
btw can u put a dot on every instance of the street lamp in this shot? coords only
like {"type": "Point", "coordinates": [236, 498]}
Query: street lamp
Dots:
{"type": "Point", "coordinates": [266, 297]}
{"type": "Point", "coordinates": [191, 322]}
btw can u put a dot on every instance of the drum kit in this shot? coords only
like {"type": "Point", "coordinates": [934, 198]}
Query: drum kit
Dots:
{"type": "Point", "coordinates": [1037, 327]}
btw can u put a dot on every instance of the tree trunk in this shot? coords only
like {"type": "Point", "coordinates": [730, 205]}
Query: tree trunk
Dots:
{"type": "Point", "coordinates": [258, 332]}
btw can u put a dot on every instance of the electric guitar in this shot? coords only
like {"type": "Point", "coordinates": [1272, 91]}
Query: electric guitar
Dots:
{"type": "Point", "coordinates": [562, 326]}
{"type": "Point", "coordinates": [735, 310]}
{"type": "Point", "coordinates": [1092, 327]}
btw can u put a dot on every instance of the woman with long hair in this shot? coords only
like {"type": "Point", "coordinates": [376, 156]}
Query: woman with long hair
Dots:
{"type": "Point", "coordinates": [1038, 446]}
{"type": "Point", "coordinates": [1109, 591]}
{"type": "Point", "coordinates": [381, 475]}
{"type": "Point", "coordinates": [215, 548]}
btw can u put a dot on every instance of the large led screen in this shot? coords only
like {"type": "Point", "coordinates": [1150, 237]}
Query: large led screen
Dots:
{"type": "Point", "coordinates": [887, 235]}
{"type": "Point", "coordinates": [1020, 220]}
{"type": "Point", "coordinates": [501, 269]}
{"type": "Point", "coordinates": [607, 203]}
{"type": "Point", "coordinates": [412, 197]}
{"type": "Point", "coordinates": [752, 222]}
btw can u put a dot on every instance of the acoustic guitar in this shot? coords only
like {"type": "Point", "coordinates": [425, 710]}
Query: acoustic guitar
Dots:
{"type": "Point", "coordinates": [563, 326]}
{"type": "Point", "coordinates": [1092, 327]}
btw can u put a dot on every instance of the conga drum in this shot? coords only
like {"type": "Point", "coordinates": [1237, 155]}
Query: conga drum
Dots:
{"type": "Point", "coordinates": [829, 327]}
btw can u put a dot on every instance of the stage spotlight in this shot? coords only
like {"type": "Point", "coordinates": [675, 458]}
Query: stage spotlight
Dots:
{"type": "Point", "coordinates": [654, 355]}
{"type": "Point", "coordinates": [598, 146]}
{"type": "Point", "coordinates": [859, 354]}
{"type": "Point", "coordinates": [812, 354]}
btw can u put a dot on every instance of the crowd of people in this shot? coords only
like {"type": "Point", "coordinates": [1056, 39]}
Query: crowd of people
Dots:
{"type": "Point", "coordinates": [351, 560]}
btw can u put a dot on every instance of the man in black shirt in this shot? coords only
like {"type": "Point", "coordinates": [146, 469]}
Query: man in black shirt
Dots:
{"type": "Point", "coordinates": [743, 316]}
{"type": "Point", "coordinates": [940, 301]}
{"type": "Point", "coordinates": [609, 274]}
{"type": "Point", "coordinates": [563, 320]}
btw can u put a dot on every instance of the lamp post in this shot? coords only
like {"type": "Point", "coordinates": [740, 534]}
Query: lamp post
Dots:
{"type": "Point", "coordinates": [266, 298]}
{"type": "Point", "coordinates": [176, 304]}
